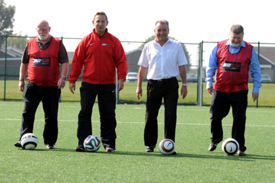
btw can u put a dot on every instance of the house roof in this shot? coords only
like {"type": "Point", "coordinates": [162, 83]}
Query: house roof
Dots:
{"type": "Point", "coordinates": [10, 54]}
{"type": "Point", "coordinates": [266, 56]}
{"type": "Point", "coordinates": [70, 55]}
{"type": "Point", "coordinates": [15, 51]}
{"type": "Point", "coordinates": [133, 56]}
{"type": "Point", "coordinates": [134, 51]}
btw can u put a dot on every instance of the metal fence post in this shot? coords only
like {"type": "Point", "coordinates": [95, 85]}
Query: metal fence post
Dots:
{"type": "Point", "coordinates": [259, 60]}
{"type": "Point", "coordinates": [116, 90]}
{"type": "Point", "coordinates": [5, 70]}
{"type": "Point", "coordinates": [65, 81]}
{"type": "Point", "coordinates": [200, 83]}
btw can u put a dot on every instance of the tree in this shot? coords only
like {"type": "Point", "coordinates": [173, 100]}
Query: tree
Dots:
{"type": "Point", "coordinates": [147, 40]}
{"type": "Point", "coordinates": [183, 46]}
{"type": "Point", "coordinates": [6, 20]}
{"type": "Point", "coordinates": [18, 41]}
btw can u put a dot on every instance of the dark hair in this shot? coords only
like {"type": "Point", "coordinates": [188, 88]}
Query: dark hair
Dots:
{"type": "Point", "coordinates": [237, 29]}
{"type": "Point", "coordinates": [101, 13]}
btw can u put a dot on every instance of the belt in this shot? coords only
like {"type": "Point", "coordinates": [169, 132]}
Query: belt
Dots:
{"type": "Point", "coordinates": [161, 81]}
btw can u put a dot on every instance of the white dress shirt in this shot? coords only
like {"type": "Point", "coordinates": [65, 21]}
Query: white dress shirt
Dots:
{"type": "Point", "coordinates": [162, 61]}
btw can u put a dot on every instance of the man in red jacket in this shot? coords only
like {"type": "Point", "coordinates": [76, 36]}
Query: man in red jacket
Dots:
{"type": "Point", "coordinates": [100, 53]}
{"type": "Point", "coordinates": [42, 59]}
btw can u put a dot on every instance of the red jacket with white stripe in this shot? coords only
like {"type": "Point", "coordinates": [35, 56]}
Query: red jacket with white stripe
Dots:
{"type": "Point", "coordinates": [100, 57]}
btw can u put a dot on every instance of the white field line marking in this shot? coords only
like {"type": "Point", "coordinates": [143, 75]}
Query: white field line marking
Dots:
{"type": "Point", "coordinates": [178, 123]}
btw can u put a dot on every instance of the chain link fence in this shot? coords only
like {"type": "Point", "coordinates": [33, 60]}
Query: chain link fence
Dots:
{"type": "Point", "coordinates": [12, 48]}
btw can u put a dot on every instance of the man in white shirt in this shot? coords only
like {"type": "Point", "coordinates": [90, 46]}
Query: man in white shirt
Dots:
{"type": "Point", "coordinates": [165, 59]}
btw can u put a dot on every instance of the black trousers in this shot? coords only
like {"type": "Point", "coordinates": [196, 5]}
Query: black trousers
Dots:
{"type": "Point", "coordinates": [156, 90]}
{"type": "Point", "coordinates": [220, 107]}
{"type": "Point", "coordinates": [49, 96]}
{"type": "Point", "coordinates": [106, 104]}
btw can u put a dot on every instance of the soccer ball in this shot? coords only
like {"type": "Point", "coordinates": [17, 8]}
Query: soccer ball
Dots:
{"type": "Point", "coordinates": [29, 141]}
{"type": "Point", "coordinates": [167, 146]}
{"type": "Point", "coordinates": [91, 143]}
{"type": "Point", "coordinates": [230, 146]}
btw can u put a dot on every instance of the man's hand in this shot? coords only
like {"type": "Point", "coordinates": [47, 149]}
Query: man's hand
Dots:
{"type": "Point", "coordinates": [120, 84]}
{"type": "Point", "coordinates": [184, 91]}
{"type": "Point", "coordinates": [61, 83]}
{"type": "Point", "coordinates": [72, 87]}
{"type": "Point", "coordinates": [139, 92]}
{"type": "Point", "coordinates": [210, 90]}
{"type": "Point", "coordinates": [21, 85]}
{"type": "Point", "coordinates": [255, 96]}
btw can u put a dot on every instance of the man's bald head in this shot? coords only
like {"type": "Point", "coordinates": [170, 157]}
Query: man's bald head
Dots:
{"type": "Point", "coordinates": [43, 23]}
{"type": "Point", "coordinates": [43, 29]}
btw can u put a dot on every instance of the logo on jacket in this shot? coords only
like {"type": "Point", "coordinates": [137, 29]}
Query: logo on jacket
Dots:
{"type": "Point", "coordinates": [105, 44]}
{"type": "Point", "coordinates": [231, 66]}
{"type": "Point", "coordinates": [42, 61]}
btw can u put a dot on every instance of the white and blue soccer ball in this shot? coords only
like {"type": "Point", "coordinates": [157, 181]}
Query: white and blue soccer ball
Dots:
{"type": "Point", "coordinates": [29, 141]}
{"type": "Point", "coordinates": [167, 146]}
{"type": "Point", "coordinates": [92, 143]}
{"type": "Point", "coordinates": [230, 146]}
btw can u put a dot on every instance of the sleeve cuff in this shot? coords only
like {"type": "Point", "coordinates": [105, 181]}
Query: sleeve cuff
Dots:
{"type": "Point", "coordinates": [256, 90]}
{"type": "Point", "coordinates": [209, 84]}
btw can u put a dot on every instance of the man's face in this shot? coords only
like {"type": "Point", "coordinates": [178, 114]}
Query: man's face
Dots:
{"type": "Point", "coordinates": [100, 22]}
{"type": "Point", "coordinates": [43, 31]}
{"type": "Point", "coordinates": [236, 39]}
{"type": "Point", "coordinates": [161, 32]}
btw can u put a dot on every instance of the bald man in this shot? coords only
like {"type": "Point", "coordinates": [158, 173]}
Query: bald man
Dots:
{"type": "Point", "coordinates": [42, 58]}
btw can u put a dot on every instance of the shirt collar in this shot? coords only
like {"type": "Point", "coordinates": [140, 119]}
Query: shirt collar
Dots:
{"type": "Point", "coordinates": [49, 40]}
{"type": "Point", "coordinates": [106, 30]}
{"type": "Point", "coordinates": [229, 43]}
{"type": "Point", "coordinates": [168, 40]}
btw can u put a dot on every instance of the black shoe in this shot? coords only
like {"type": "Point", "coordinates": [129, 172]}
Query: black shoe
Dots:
{"type": "Point", "coordinates": [212, 147]}
{"type": "Point", "coordinates": [80, 149]}
{"type": "Point", "coordinates": [241, 153]}
{"type": "Point", "coordinates": [50, 146]}
{"type": "Point", "coordinates": [174, 153]}
{"type": "Point", "coordinates": [18, 144]}
{"type": "Point", "coordinates": [110, 149]}
{"type": "Point", "coordinates": [150, 148]}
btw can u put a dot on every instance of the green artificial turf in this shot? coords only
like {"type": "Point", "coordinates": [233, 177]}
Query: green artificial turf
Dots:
{"type": "Point", "coordinates": [130, 162]}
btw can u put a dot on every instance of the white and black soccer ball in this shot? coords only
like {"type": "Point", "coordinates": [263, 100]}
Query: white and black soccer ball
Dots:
{"type": "Point", "coordinates": [92, 143]}
{"type": "Point", "coordinates": [29, 141]}
{"type": "Point", "coordinates": [230, 146]}
{"type": "Point", "coordinates": [167, 146]}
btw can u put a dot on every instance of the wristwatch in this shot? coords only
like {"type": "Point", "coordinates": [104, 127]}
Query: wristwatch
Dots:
{"type": "Point", "coordinates": [64, 77]}
{"type": "Point", "coordinates": [122, 80]}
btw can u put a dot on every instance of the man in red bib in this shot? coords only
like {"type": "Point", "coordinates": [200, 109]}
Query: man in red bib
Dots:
{"type": "Point", "coordinates": [42, 59]}
{"type": "Point", "coordinates": [233, 59]}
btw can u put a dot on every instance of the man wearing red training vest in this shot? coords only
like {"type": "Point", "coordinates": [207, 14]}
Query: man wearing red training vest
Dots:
{"type": "Point", "coordinates": [42, 59]}
{"type": "Point", "coordinates": [233, 59]}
